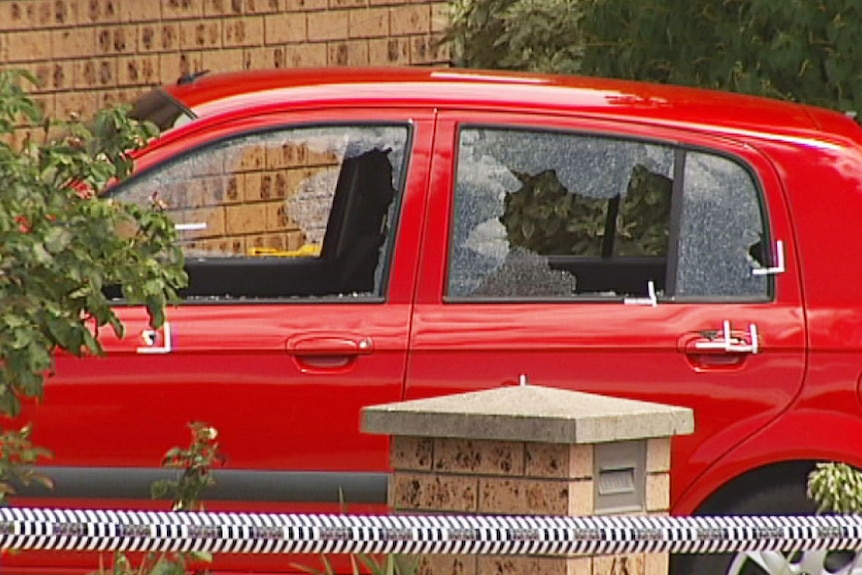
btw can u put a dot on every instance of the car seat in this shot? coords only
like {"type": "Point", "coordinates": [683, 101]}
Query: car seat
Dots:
{"type": "Point", "coordinates": [357, 226]}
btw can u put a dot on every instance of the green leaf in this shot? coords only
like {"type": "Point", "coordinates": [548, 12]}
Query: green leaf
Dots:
{"type": "Point", "coordinates": [371, 563]}
{"type": "Point", "coordinates": [41, 255]}
{"type": "Point", "coordinates": [159, 489]}
{"type": "Point", "coordinates": [59, 249]}
{"type": "Point", "coordinates": [57, 239]}
{"type": "Point", "coordinates": [307, 569]}
{"type": "Point", "coordinates": [9, 405]}
{"type": "Point", "coordinates": [61, 330]}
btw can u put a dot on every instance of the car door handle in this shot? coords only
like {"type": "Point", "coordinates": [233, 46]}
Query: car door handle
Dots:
{"type": "Point", "coordinates": [339, 345]}
{"type": "Point", "coordinates": [325, 353]}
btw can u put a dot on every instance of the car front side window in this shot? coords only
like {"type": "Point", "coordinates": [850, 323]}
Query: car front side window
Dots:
{"type": "Point", "coordinates": [299, 212]}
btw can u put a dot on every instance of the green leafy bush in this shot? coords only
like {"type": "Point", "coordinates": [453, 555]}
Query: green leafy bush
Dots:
{"type": "Point", "coordinates": [372, 564]}
{"type": "Point", "coordinates": [530, 35]}
{"type": "Point", "coordinates": [544, 217]}
{"type": "Point", "coordinates": [61, 244]}
{"type": "Point", "coordinates": [194, 466]}
{"type": "Point", "coordinates": [836, 487]}
{"type": "Point", "coordinates": [801, 50]}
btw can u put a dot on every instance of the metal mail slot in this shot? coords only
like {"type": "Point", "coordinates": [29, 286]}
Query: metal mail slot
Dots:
{"type": "Point", "coordinates": [619, 477]}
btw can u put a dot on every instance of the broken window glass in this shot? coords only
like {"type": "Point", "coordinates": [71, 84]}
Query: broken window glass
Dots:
{"type": "Point", "coordinates": [551, 214]}
{"type": "Point", "coordinates": [722, 233]}
{"type": "Point", "coordinates": [283, 213]}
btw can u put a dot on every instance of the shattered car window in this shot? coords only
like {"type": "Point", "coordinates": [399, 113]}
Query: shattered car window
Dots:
{"type": "Point", "coordinates": [722, 231]}
{"type": "Point", "coordinates": [541, 214]}
{"type": "Point", "coordinates": [294, 212]}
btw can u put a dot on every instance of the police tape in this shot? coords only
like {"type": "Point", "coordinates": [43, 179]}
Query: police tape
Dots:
{"type": "Point", "coordinates": [76, 529]}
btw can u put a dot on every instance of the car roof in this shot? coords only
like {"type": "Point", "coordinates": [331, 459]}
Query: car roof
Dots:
{"type": "Point", "coordinates": [215, 94]}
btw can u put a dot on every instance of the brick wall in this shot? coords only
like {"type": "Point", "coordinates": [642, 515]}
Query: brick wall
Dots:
{"type": "Point", "coordinates": [491, 477]}
{"type": "Point", "coordinates": [88, 53]}
{"type": "Point", "coordinates": [245, 198]}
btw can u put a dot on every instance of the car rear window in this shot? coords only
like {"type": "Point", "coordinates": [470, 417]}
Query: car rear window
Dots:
{"type": "Point", "coordinates": [550, 214]}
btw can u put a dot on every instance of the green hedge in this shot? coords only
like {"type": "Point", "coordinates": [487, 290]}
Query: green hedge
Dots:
{"type": "Point", "coordinates": [803, 50]}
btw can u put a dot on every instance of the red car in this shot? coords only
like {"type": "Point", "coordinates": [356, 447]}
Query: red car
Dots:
{"type": "Point", "coordinates": [357, 237]}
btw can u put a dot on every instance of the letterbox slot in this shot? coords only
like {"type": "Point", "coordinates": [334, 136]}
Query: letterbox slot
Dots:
{"type": "Point", "coordinates": [619, 477]}
{"type": "Point", "coordinates": [616, 481]}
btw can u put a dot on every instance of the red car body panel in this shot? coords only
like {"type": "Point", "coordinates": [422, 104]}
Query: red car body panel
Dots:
{"type": "Point", "coordinates": [629, 351]}
{"type": "Point", "coordinates": [242, 368]}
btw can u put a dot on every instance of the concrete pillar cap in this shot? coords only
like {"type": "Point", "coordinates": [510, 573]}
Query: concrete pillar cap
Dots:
{"type": "Point", "coordinates": [529, 413]}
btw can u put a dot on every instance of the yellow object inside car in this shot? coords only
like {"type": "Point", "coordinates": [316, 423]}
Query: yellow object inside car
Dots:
{"type": "Point", "coordinates": [307, 250]}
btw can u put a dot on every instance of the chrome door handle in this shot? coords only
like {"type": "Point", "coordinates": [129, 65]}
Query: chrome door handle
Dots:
{"type": "Point", "coordinates": [731, 344]}
{"type": "Point", "coordinates": [151, 336]}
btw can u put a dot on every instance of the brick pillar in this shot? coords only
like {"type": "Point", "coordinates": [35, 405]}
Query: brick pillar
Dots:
{"type": "Point", "coordinates": [531, 451]}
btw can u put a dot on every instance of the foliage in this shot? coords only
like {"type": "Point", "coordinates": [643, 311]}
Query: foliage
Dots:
{"type": "Point", "coordinates": [384, 564]}
{"type": "Point", "coordinates": [836, 487]}
{"type": "Point", "coordinates": [531, 35]}
{"type": "Point", "coordinates": [475, 26]}
{"type": "Point", "coordinates": [801, 50]}
{"type": "Point", "coordinates": [643, 227]}
{"type": "Point", "coordinates": [177, 563]}
{"type": "Point", "coordinates": [61, 244]}
{"type": "Point", "coordinates": [17, 455]}
{"type": "Point", "coordinates": [195, 465]}
{"type": "Point", "coordinates": [544, 217]}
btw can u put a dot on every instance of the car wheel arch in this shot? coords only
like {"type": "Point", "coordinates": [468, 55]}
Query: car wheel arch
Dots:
{"type": "Point", "coordinates": [815, 436]}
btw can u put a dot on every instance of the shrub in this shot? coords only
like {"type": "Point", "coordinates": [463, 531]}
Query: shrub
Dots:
{"type": "Point", "coordinates": [801, 50]}
{"type": "Point", "coordinates": [61, 243]}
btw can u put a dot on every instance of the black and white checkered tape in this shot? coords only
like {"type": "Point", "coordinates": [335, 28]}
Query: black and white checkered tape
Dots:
{"type": "Point", "coordinates": [26, 528]}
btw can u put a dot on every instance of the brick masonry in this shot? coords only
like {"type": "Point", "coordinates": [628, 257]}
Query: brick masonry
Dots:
{"type": "Point", "coordinates": [88, 53]}
{"type": "Point", "coordinates": [244, 197]}
{"type": "Point", "coordinates": [445, 475]}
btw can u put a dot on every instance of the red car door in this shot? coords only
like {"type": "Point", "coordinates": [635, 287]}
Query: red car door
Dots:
{"type": "Point", "coordinates": [615, 259]}
{"type": "Point", "coordinates": [296, 316]}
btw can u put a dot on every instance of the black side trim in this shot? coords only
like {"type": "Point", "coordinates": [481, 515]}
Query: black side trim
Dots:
{"type": "Point", "coordinates": [611, 227]}
{"type": "Point", "coordinates": [676, 205]}
{"type": "Point", "coordinates": [231, 485]}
